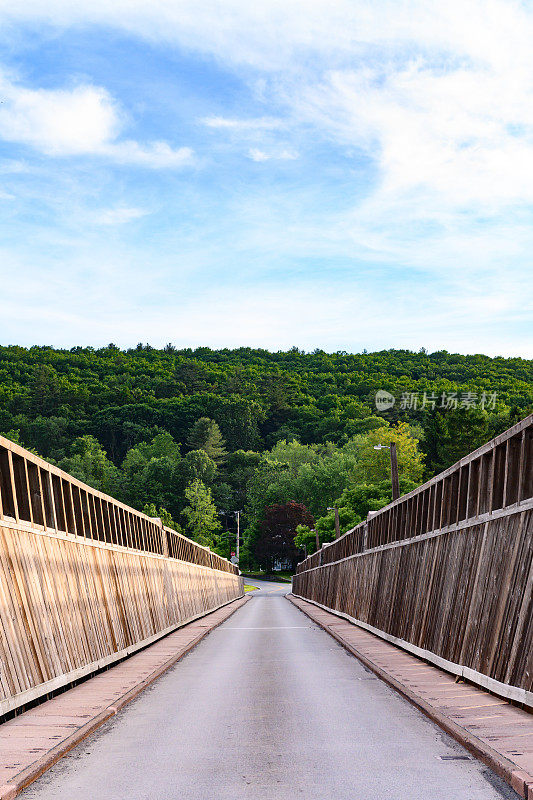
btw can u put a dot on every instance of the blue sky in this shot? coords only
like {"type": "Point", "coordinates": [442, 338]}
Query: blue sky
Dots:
{"type": "Point", "coordinates": [342, 175]}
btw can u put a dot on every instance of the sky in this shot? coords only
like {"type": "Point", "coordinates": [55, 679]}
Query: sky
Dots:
{"type": "Point", "coordinates": [339, 175]}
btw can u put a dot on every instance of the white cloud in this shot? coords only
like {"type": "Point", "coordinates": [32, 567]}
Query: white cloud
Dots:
{"type": "Point", "coordinates": [84, 120]}
{"type": "Point", "coordinates": [154, 154]}
{"type": "Point", "coordinates": [58, 122]}
{"type": "Point", "coordinates": [429, 103]}
{"type": "Point", "coordinates": [287, 155]}
{"type": "Point", "coordinates": [118, 216]}
{"type": "Point", "coordinates": [454, 132]}
{"type": "Point", "coordinates": [259, 124]}
{"type": "Point", "coordinates": [256, 154]}
{"type": "Point", "coordinates": [446, 103]}
{"type": "Point", "coordinates": [108, 302]}
{"type": "Point", "coordinates": [276, 34]}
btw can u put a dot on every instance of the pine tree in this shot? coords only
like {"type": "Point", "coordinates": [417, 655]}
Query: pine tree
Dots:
{"type": "Point", "coordinates": [201, 514]}
{"type": "Point", "coordinates": [205, 435]}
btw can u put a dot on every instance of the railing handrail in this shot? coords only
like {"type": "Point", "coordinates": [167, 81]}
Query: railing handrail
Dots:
{"type": "Point", "coordinates": [394, 509]}
{"type": "Point", "coordinates": [475, 454]}
{"type": "Point", "coordinates": [106, 525]}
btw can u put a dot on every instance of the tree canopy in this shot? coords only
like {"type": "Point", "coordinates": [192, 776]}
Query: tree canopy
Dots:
{"type": "Point", "coordinates": [277, 531]}
{"type": "Point", "coordinates": [205, 435]}
{"type": "Point", "coordinates": [201, 513]}
{"type": "Point", "coordinates": [187, 431]}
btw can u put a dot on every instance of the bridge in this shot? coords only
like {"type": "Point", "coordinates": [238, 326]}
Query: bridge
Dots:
{"type": "Point", "coordinates": [429, 600]}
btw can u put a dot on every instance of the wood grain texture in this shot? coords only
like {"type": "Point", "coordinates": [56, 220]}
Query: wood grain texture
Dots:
{"type": "Point", "coordinates": [86, 580]}
{"type": "Point", "coordinates": [67, 605]}
{"type": "Point", "coordinates": [447, 569]}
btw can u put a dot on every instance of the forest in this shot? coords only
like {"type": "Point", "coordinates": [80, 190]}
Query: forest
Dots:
{"type": "Point", "coordinates": [195, 435]}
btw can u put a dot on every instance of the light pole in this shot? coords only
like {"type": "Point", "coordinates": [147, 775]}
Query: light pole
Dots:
{"type": "Point", "coordinates": [238, 550]}
{"type": "Point", "coordinates": [237, 515]}
{"type": "Point", "coordinates": [337, 522]}
{"type": "Point", "coordinates": [393, 467]}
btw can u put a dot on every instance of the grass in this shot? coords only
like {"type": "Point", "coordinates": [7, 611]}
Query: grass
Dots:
{"type": "Point", "coordinates": [248, 588]}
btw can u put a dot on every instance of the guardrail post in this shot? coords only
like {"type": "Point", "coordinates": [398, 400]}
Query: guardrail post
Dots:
{"type": "Point", "coordinates": [159, 522]}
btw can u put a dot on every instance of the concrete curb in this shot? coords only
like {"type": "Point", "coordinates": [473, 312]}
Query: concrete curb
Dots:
{"type": "Point", "coordinates": [520, 781]}
{"type": "Point", "coordinates": [28, 775]}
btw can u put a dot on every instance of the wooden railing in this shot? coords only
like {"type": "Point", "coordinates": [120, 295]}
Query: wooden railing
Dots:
{"type": "Point", "coordinates": [36, 493]}
{"type": "Point", "coordinates": [446, 571]}
{"type": "Point", "coordinates": [85, 580]}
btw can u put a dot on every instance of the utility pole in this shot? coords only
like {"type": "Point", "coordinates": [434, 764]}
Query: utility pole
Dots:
{"type": "Point", "coordinates": [316, 538]}
{"type": "Point", "coordinates": [337, 521]}
{"type": "Point", "coordinates": [394, 471]}
{"type": "Point", "coordinates": [237, 515]}
{"type": "Point", "coordinates": [395, 480]}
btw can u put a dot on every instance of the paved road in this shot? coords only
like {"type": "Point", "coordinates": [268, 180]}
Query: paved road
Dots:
{"type": "Point", "coordinates": [268, 707]}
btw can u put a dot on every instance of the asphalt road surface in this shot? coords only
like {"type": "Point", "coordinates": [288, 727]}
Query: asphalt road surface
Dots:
{"type": "Point", "coordinates": [268, 707]}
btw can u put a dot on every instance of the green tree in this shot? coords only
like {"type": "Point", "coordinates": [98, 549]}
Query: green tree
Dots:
{"type": "Point", "coordinates": [315, 410]}
{"type": "Point", "coordinates": [450, 435]}
{"type": "Point", "coordinates": [201, 514]}
{"type": "Point", "coordinates": [225, 543]}
{"type": "Point", "coordinates": [88, 462]}
{"type": "Point", "coordinates": [151, 510]}
{"type": "Point", "coordinates": [311, 474]}
{"type": "Point", "coordinates": [237, 472]}
{"type": "Point", "coordinates": [14, 436]}
{"type": "Point", "coordinates": [365, 497]}
{"type": "Point", "coordinates": [293, 454]}
{"type": "Point", "coordinates": [305, 539]}
{"type": "Point", "coordinates": [373, 466]}
{"type": "Point", "coordinates": [205, 435]}
{"type": "Point", "coordinates": [197, 464]}
{"type": "Point", "coordinates": [152, 473]}
{"type": "Point", "coordinates": [277, 532]}
{"type": "Point", "coordinates": [51, 437]}
{"type": "Point", "coordinates": [354, 505]}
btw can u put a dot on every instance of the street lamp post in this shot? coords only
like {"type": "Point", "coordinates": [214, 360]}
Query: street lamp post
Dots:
{"type": "Point", "coordinates": [238, 549]}
{"type": "Point", "coordinates": [337, 521]}
{"type": "Point", "coordinates": [395, 480]}
{"type": "Point", "coordinates": [237, 515]}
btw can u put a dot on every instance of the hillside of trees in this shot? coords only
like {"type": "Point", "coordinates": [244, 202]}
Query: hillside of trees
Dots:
{"type": "Point", "coordinates": [187, 434]}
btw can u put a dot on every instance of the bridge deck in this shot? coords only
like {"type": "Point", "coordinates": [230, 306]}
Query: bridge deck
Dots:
{"type": "Point", "coordinates": [269, 706]}
{"type": "Point", "coordinates": [495, 730]}
{"type": "Point", "coordinates": [32, 741]}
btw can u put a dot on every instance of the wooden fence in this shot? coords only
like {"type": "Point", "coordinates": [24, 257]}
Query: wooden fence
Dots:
{"type": "Point", "coordinates": [86, 580]}
{"type": "Point", "coordinates": [446, 571]}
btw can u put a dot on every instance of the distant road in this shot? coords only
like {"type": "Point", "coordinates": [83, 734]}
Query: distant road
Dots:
{"type": "Point", "coordinates": [268, 707]}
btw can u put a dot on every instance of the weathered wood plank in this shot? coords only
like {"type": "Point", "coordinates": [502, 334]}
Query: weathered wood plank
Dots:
{"type": "Point", "coordinates": [462, 592]}
{"type": "Point", "coordinates": [65, 604]}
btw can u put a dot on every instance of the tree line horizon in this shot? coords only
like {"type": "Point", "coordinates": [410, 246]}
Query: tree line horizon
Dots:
{"type": "Point", "coordinates": [282, 437]}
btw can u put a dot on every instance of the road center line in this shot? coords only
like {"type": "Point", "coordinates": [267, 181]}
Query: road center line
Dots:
{"type": "Point", "coordinates": [272, 628]}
